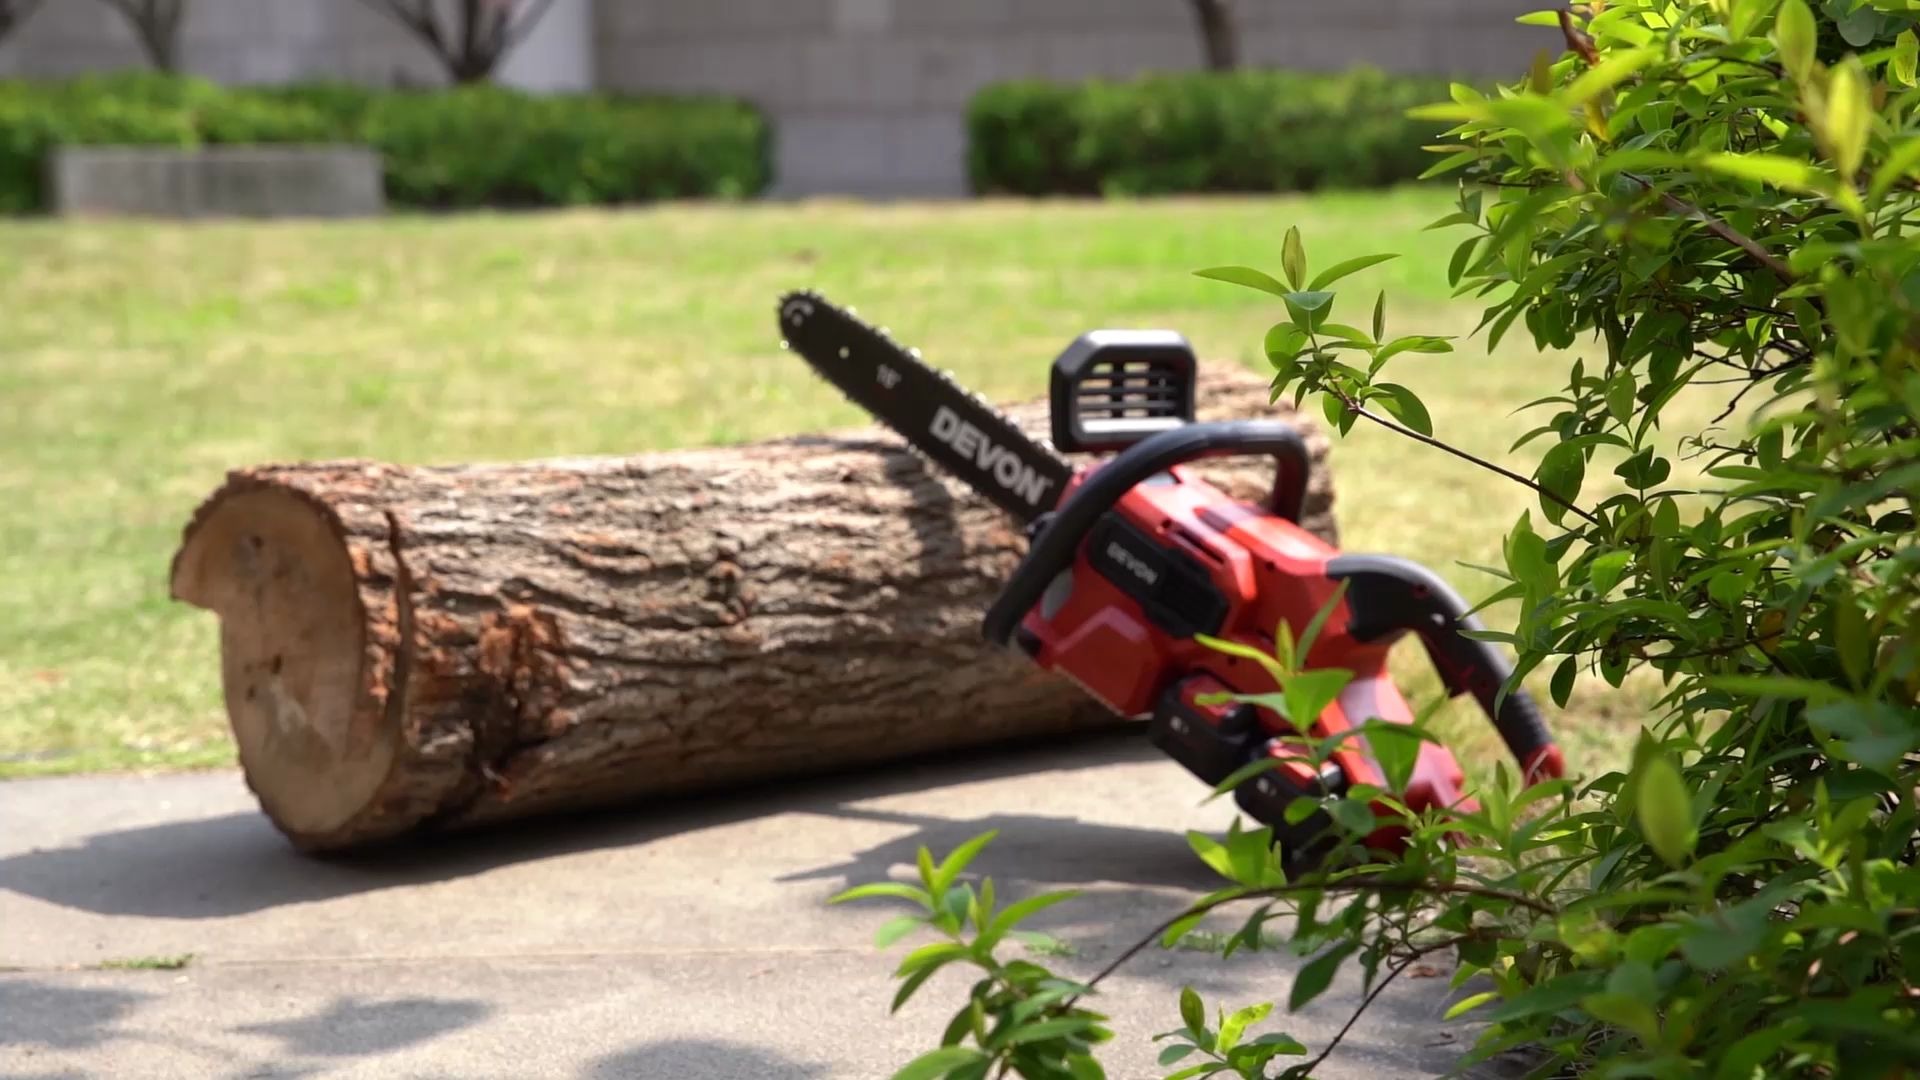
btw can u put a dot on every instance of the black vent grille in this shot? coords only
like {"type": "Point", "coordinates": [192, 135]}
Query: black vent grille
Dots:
{"type": "Point", "coordinates": [1131, 389]}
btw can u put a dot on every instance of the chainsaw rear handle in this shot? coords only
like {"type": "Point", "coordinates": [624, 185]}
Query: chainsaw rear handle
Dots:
{"type": "Point", "coordinates": [1388, 595]}
{"type": "Point", "coordinates": [1058, 541]}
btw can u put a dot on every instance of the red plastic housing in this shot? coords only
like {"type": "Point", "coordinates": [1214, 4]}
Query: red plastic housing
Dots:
{"type": "Point", "coordinates": [1268, 570]}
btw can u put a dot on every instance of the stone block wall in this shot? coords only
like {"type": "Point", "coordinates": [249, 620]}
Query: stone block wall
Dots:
{"type": "Point", "coordinates": [868, 96]}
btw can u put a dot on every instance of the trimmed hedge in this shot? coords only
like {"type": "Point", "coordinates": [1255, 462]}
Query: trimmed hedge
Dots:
{"type": "Point", "coordinates": [1244, 131]}
{"type": "Point", "coordinates": [462, 147]}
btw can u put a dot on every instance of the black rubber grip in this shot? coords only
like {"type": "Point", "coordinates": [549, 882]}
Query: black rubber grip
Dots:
{"type": "Point", "coordinates": [1058, 543]}
{"type": "Point", "coordinates": [1387, 595]}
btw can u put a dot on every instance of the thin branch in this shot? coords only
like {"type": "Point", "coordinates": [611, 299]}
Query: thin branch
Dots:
{"type": "Point", "coordinates": [1367, 1003]}
{"type": "Point", "coordinates": [1350, 885]}
{"type": "Point", "coordinates": [1720, 229]}
{"type": "Point", "coordinates": [417, 17]}
{"type": "Point", "coordinates": [1429, 440]}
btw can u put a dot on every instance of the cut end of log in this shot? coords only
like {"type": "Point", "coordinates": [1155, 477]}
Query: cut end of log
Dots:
{"type": "Point", "coordinates": [272, 566]}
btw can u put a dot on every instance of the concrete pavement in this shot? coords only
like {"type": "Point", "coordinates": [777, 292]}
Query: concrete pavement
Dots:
{"type": "Point", "coordinates": [688, 940]}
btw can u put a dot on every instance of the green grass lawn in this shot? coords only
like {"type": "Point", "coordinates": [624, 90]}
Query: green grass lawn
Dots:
{"type": "Point", "coordinates": [139, 361]}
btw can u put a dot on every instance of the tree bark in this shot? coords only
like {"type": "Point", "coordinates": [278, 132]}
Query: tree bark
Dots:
{"type": "Point", "coordinates": [1219, 36]}
{"type": "Point", "coordinates": [408, 648]}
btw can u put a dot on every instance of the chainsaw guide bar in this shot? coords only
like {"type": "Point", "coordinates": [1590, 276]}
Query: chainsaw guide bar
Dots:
{"type": "Point", "coordinates": [949, 425]}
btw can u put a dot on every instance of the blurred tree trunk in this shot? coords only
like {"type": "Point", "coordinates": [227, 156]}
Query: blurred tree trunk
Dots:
{"type": "Point", "coordinates": [13, 13]}
{"type": "Point", "coordinates": [157, 24]}
{"type": "Point", "coordinates": [482, 33]}
{"type": "Point", "coordinates": [1219, 35]}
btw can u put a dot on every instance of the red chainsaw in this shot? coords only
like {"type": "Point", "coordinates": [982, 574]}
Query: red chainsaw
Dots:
{"type": "Point", "coordinates": [1134, 556]}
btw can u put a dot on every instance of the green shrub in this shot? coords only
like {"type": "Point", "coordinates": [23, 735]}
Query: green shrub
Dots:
{"type": "Point", "coordinates": [1717, 200]}
{"type": "Point", "coordinates": [472, 146]}
{"type": "Point", "coordinates": [1250, 131]}
{"type": "Point", "coordinates": [481, 145]}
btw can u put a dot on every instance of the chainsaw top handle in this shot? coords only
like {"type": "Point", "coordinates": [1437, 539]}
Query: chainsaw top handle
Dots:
{"type": "Point", "coordinates": [1058, 542]}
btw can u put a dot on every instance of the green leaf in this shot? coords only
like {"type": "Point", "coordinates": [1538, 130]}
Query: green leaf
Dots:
{"type": "Point", "coordinates": [1319, 621]}
{"type": "Point", "coordinates": [1850, 640]}
{"type": "Point", "coordinates": [1308, 301]}
{"type": "Point", "coordinates": [1604, 572]}
{"type": "Point", "coordinates": [898, 889]}
{"type": "Point", "coordinates": [1180, 927]}
{"type": "Point", "coordinates": [913, 983]}
{"type": "Point", "coordinates": [1562, 471]}
{"type": "Point", "coordinates": [1795, 36]}
{"type": "Point", "coordinates": [1014, 913]}
{"type": "Point", "coordinates": [1859, 26]}
{"type": "Point", "coordinates": [1743, 1058]}
{"type": "Point", "coordinates": [1624, 1011]}
{"type": "Point", "coordinates": [1351, 266]}
{"type": "Point", "coordinates": [1237, 1023]}
{"type": "Point", "coordinates": [1285, 341]}
{"type": "Point", "coordinates": [1396, 749]}
{"type": "Point", "coordinates": [1720, 940]}
{"type": "Point", "coordinates": [1308, 693]}
{"type": "Point", "coordinates": [1293, 257]}
{"type": "Point", "coordinates": [1245, 772]}
{"type": "Point", "coordinates": [1206, 1068]}
{"type": "Point", "coordinates": [931, 955]}
{"type": "Point", "coordinates": [1462, 256]}
{"type": "Point", "coordinates": [1174, 1053]}
{"type": "Point", "coordinates": [1562, 685]}
{"type": "Point", "coordinates": [1282, 1043]}
{"type": "Point", "coordinates": [1416, 343]}
{"type": "Point", "coordinates": [1546, 998]}
{"type": "Point", "coordinates": [896, 928]}
{"type": "Point", "coordinates": [1527, 559]}
{"type": "Point", "coordinates": [938, 1063]}
{"type": "Point", "coordinates": [1620, 397]}
{"type": "Point", "coordinates": [1607, 74]}
{"type": "Point", "coordinates": [1213, 853]}
{"type": "Point", "coordinates": [1900, 164]}
{"type": "Point", "coordinates": [1849, 119]}
{"type": "Point", "coordinates": [1727, 588]}
{"type": "Point", "coordinates": [1906, 57]}
{"type": "Point", "coordinates": [1317, 974]}
{"type": "Point", "coordinates": [1083, 1067]}
{"type": "Point", "coordinates": [1380, 315]}
{"type": "Point", "coordinates": [1406, 408]}
{"type": "Point", "coordinates": [1244, 275]}
{"type": "Point", "coordinates": [1354, 816]}
{"type": "Point", "coordinates": [1049, 1029]}
{"type": "Point", "coordinates": [1467, 1005]}
{"type": "Point", "coordinates": [1873, 733]}
{"type": "Point", "coordinates": [1782, 686]}
{"type": "Point", "coordinates": [1665, 810]}
{"type": "Point", "coordinates": [1790, 174]}
{"type": "Point", "coordinates": [1193, 1013]}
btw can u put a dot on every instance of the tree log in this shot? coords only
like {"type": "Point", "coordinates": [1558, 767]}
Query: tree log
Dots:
{"type": "Point", "coordinates": [409, 648]}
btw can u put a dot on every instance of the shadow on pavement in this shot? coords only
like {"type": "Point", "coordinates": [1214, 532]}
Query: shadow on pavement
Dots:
{"type": "Point", "coordinates": [40, 1014]}
{"type": "Point", "coordinates": [699, 1059]}
{"type": "Point", "coordinates": [352, 1026]}
{"type": "Point", "coordinates": [1029, 850]}
{"type": "Point", "coordinates": [237, 863]}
